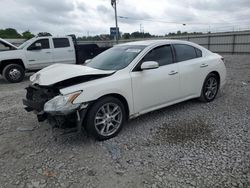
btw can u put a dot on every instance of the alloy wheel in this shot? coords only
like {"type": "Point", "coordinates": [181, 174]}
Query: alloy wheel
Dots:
{"type": "Point", "coordinates": [108, 119]}
{"type": "Point", "coordinates": [211, 88]}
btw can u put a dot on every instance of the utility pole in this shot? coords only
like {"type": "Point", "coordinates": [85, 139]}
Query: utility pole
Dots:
{"type": "Point", "coordinates": [142, 30]}
{"type": "Point", "coordinates": [113, 3]}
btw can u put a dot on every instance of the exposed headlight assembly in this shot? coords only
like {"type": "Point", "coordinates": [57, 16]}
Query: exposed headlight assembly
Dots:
{"type": "Point", "coordinates": [62, 104]}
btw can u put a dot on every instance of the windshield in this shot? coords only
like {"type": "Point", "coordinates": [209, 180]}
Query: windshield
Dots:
{"type": "Point", "coordinates": [24, 44]}
{"type": "Point", "coordinates": [116, 58]}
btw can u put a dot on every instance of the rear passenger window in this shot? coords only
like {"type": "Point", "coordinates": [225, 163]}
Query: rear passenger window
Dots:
{"type": "Point", "coordinates": [61, 42]}
{"type": "Point", "coordinates": [198, 52]}
{"type": "Point", "coordinates": [184, 52]}
{"type": "Point", "coordinates": [162, 55]}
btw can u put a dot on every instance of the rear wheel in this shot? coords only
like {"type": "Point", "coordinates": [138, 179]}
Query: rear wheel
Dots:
{"type": "Point", "coordinates": [210, 88]}
{"type": "Point", "coordinates": [105, 118]}
{"type": "Point", "coordinates": [13, 73]}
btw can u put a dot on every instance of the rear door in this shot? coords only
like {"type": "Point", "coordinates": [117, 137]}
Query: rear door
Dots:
{"type": "Point", "coordinates": [155, 87]}
{"type": "Point", "coordinates": [64, 51]}
{"type": "Point", "coordinates": [192, 68]}
{"type": "Point", "coordinates": [39, 58]}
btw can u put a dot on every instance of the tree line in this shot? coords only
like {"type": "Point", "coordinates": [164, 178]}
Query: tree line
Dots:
{"type": "Point", "coordinates": [13, 34]}
{"type": "Point", "coordinates": [135, 35]}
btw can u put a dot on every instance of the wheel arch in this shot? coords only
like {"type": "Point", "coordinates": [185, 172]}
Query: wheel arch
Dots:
{"type": "Point", "coordinates": [4, 63]}
{"type": "Point", "coordinates": [217, 74]}
{"type": "Point", "coordinates": [120, 98]}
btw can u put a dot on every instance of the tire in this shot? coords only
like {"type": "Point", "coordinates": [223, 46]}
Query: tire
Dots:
{"type": "Point", "coordinates": [210, 88]}
{"type": "Point", "coordinates": [103, 124]}
{"type": "Point", "coordinates": [13, 73]}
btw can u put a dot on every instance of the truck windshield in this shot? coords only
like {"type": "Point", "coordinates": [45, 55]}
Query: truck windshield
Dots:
{"type": "Point", "coordinates": [116, 58]}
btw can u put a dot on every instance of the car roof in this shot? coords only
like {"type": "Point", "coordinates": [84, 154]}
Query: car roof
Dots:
{"type": "Point", "coordinates": [151, 43]}
{"type": "Point", "coordinates": [155, 42]}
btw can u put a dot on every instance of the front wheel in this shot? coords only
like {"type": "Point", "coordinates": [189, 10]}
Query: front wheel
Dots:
{"type": "Point", "coordinates": [105, 118]}
{"type": "Point", "coordinates": [210, 88]}
{"type": "Point", "coordinates": [13, 73]}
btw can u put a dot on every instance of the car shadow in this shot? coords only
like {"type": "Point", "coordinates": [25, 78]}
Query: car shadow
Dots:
{"type": "Point", "coordinates": [170, 110]}
{"type": "Point", "coordinates": [61, 136]}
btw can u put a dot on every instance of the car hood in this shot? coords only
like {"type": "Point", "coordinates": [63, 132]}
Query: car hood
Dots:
{"type": "Point", "coordinates": [7, 43]}
{"type": "Point", "coordinates": [61, 73]}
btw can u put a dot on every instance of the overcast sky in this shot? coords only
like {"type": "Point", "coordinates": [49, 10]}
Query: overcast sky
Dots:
{"type": "Point", "coordinates": [94, 17]}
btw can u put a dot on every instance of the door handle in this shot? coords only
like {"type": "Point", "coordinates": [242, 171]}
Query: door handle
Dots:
{"type": "Point", "coordinates": [173, 72]}
{"type": "Point", "coordinates": [47, 52]}
{"type": "Point", "coordinates": [70, 50]}
{"type": "Point", "coordinates": [203, 65]}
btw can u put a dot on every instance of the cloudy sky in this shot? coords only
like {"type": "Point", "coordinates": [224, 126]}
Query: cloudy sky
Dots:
{"type": "Point", "coordinates": [93, 17]}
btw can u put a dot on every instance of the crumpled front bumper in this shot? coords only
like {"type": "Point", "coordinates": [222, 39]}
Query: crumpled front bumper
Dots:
{"type": "Point", "coordinates": [37, 96]}
{"type": "Point", "coordinates": [35, 107]}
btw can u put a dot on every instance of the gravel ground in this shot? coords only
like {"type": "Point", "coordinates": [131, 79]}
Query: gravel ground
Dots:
{"type": "Point", "coordinates": [191, 144]}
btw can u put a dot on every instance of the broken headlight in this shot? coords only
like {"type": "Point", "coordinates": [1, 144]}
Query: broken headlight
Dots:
{"type": "Point", "coordinates": [62, 103]}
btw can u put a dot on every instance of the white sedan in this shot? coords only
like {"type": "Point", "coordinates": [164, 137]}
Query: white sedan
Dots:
{"type": "Point", "coordinates": [124, 82]}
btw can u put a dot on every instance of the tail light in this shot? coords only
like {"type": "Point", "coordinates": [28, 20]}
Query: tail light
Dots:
{"type": "Point", "coordinates": [223, 59]}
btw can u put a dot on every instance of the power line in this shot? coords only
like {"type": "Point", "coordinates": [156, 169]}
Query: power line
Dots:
{"type": "Point", "coordinates": [181, 23]}
{"type": "Point", "coordinates": [148, 20]}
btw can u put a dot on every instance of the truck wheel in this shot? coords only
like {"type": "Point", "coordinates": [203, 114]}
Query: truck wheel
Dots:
{"type": "Point", "coordinates": [13, 73]}
{"type": "Point", "coordinates": [105, 118]}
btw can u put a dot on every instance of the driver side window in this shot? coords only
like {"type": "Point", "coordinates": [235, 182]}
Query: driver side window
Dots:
{"type": "Point", "coordinates": [162, 55]}
{"type": "Point", "coordinates": [44, 44]}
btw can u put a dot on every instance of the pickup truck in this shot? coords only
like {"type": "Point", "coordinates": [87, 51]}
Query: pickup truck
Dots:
{"type": "Point", "coordinates": [40, 52]}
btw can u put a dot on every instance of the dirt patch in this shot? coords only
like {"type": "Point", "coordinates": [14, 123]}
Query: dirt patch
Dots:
{"type": "Point", "coordinates": [183, 131]}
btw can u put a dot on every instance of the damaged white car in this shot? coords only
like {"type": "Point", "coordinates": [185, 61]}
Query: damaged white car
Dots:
{"type": "Point", "coordinates": [124, 82]}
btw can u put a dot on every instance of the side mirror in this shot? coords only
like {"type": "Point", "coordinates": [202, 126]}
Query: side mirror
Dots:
{"type": "Point", "coordinates": [149, 65]}
{"type": "Point", "coordinates": [87, 61]}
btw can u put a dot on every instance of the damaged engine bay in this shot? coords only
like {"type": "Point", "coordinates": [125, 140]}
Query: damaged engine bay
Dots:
{"type": "Point", "coordinates": [37, 96]}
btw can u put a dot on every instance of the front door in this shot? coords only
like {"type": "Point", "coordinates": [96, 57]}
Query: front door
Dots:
{"type": "Point", "coordinates": [38, 58]}
{"type": "Point", "coordinates": [155, 87]}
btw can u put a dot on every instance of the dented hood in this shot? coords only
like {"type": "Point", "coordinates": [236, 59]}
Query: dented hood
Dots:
{"type": "Point", "coordinates": [59, 72]}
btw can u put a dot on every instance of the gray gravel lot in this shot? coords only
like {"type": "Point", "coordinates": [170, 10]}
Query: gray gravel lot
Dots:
{"type": "Point", "coordinates": [191, 144]}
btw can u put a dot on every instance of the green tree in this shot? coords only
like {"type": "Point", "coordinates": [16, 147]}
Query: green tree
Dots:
{"type": "Point", "coordinates": [136, 35]}
{"type": "Point", "coordinates": [126, 36]}
{"type": "Point", "coordinates": [9, 33]}
{"type": "Point", "coordinates": [27, 34]}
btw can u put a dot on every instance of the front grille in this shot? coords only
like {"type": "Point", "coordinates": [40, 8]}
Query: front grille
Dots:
{"type": "Point", "coordinates": [37, 96]}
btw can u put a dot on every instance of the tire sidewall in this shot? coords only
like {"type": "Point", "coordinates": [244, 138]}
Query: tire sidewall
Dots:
{"type": "Point", "coordinates": [203, 96]}
{"type": "Point", "coordinates": [8, 68]}
{"type": "Point", "coordinates": [90, 119]}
